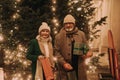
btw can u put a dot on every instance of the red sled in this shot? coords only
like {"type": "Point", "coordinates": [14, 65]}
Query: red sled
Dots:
{"type": "Point", "coordinates": [48, 71]}
{"type": "Point", "coordinates": [113, 57]}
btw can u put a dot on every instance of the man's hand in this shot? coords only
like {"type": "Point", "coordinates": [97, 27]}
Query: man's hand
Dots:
{"type": "Point", "coordinates": [67, 66]}
{"type": "Point", "coordinates": [88, 54]}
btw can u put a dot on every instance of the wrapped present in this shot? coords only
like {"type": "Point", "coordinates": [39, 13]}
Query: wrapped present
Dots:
{"type": "Point", "coordinates": [80, 49]}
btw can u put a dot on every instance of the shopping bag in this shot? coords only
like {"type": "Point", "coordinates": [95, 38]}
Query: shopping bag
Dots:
{"type": "Point", "coordinates": [47, 69]}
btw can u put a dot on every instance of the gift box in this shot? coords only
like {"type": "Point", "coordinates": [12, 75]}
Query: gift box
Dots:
{"type": "Point", "coordinates": [80, 49]}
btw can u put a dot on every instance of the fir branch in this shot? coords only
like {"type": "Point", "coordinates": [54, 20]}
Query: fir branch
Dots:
{"type": "Point", "coordinates": [100, 22]}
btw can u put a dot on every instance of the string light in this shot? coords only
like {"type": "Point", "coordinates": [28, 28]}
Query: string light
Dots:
{"type": "Point", "coordinates": [1, 38]}
{"type": "Point", "coordinates": [53, 9]}
{"type": "Point", "coordinates": [91, 36]}
{"type": "Point", "coordinates": [56, 24]}
{"type": "Point", "coordinates": [54, 20]}
{"type": "Point", "coordinates": [15, 6]}
{"type": "Point", "coordinates": [69, 3]}
{"type": "Point", "coordinates": [20, 47]}
{"type": "Point", "coordinates": [16, 28]}
{"type": "Point", "coordinates": [54, 1]}
{"type": "Point", "coordinates": [75, 1]}
{"type": "Point", "coordinates": [79, 9]}
{"type": "Point", "coordinates": [18, 10]}
{"type": "Point", "coordinates": [29, 77]}
{"type": "Point", "coordinates": [55, 32]}
{"type": "Point", "coordinates": [1, 35]}
{"type": "Point", "coordinates": [15, 16]}
{"type": "Point", "coordinates": [18, 0]}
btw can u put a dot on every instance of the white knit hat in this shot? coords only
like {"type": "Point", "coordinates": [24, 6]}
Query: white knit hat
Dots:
{"type": "Point", "coordinates": [44, 26]}
{"type": "Point", "coordinates": [69, 18]}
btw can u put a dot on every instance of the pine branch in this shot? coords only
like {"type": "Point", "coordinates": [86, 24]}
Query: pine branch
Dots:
{"type": "Point", "coordinates": [100, 22]}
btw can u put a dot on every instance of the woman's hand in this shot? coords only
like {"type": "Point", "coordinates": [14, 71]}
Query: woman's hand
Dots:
{"type": "Point", "coordinates": [41, 57]}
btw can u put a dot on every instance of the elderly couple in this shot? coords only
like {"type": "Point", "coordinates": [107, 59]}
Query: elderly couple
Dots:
{"type": "Point", "coordinates": [67, 58]}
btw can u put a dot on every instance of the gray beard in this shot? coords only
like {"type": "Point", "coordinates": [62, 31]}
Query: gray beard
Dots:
{"type": "Point", "coordinates": [69, 29]}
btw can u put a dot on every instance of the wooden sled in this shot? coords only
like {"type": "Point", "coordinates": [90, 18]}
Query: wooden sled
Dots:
{"type": "Point", "coordinates": [113, 61]}
{"type": "Point", "coordinates": [47, 69]}
{"type": "Point", "coordinates": [113, 57]}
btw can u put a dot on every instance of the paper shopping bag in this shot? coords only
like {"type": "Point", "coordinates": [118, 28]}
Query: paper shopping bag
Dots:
{"type": "Point", "coordinates": [47, 69]}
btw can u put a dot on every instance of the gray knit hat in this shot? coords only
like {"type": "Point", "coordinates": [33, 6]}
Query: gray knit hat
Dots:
{"type": "Point", "coordinates": [69, 18]}
{"type": "Point", "coordinates": [44, 26]}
